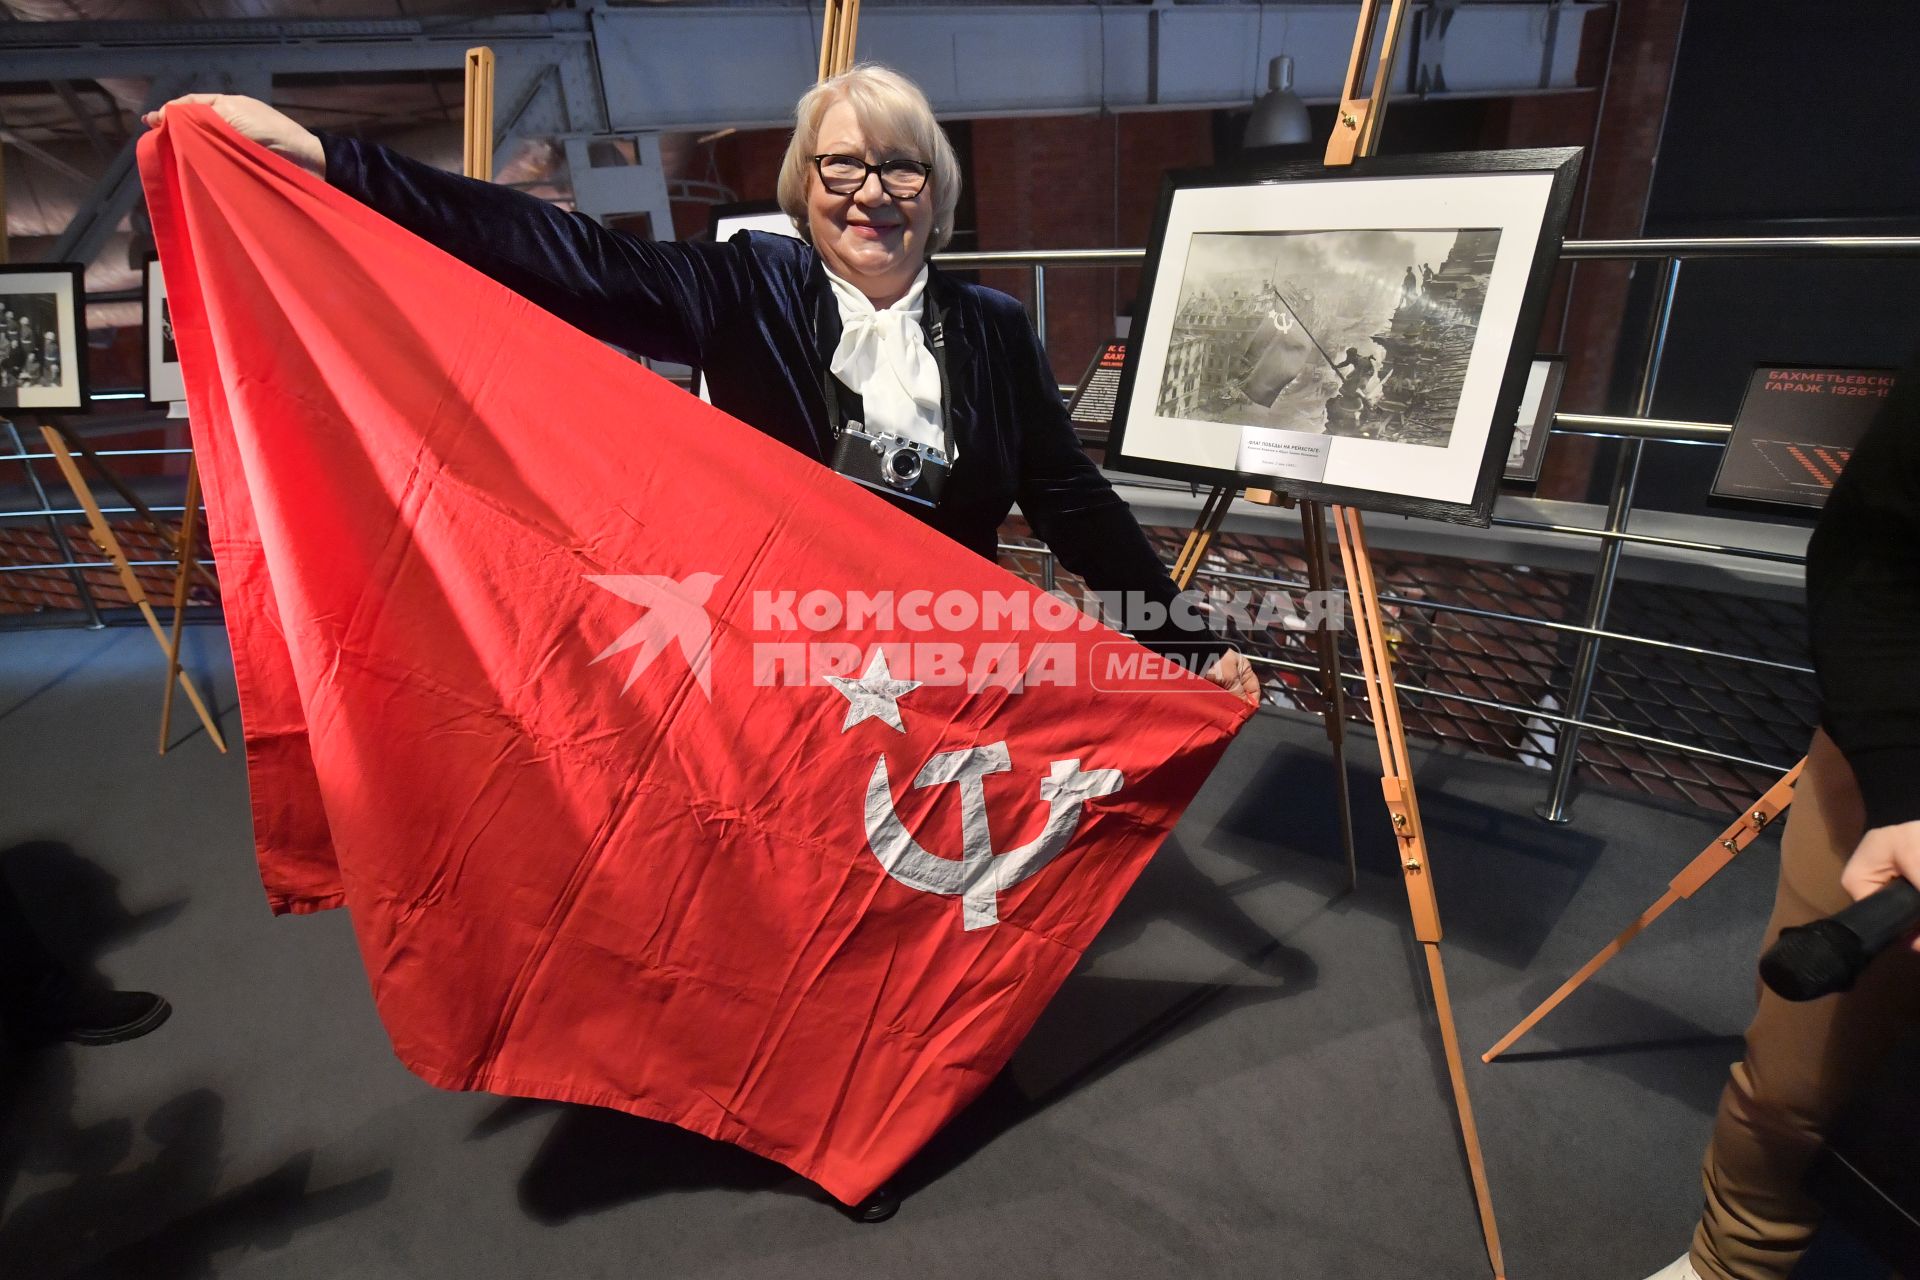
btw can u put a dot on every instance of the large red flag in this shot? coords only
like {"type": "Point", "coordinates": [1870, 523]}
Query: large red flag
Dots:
{"type": "Point", "coordinates": [661, 768]}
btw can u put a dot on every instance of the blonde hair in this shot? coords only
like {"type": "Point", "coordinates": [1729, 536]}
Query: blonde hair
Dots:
{"type": "Point", "coordinates": [894, 115]}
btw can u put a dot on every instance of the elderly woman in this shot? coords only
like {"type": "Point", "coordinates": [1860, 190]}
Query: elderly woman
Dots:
{"type": "Point", "coordinates": [849, 330]}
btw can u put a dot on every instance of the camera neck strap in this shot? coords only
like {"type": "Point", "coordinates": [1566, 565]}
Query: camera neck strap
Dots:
{"type": "Point", "coordinates": [932, 324]}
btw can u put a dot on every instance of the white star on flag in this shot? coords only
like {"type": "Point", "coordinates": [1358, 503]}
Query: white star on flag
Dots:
{"type": "Point", "coordinates": [875, 695]}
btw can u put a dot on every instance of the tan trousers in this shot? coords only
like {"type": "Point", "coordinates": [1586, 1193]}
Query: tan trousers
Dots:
{"type": "Point", "coordinates": [1804, 1061]}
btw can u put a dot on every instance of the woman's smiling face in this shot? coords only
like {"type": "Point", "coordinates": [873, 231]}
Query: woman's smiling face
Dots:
{"type": "Point", "coordinates": [870, 239]}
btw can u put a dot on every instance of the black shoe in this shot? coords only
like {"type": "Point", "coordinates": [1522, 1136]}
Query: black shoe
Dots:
{"type": "Point", "coordinates": [878, 1207]}
{"type": "Point", "coordinates": [98, 1017]}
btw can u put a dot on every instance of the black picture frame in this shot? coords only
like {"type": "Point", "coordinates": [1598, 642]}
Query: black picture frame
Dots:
{"type": "Point", "coordinates": [724, 219]}
{"type": "Point", "coordinates": [1559, 166]}
{"type": "Point", "coordinates": [45, 297]}
{"type": "Point", "coordinates": [1553, 374]}
{"type": "Point", "coordinates": [161, 378]}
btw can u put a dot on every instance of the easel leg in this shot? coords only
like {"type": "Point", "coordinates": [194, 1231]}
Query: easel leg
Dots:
{"type": "Point", "coordinates": [109, 544]}
{"type": "Point", "coordinates": [1404, 808]}
{"type": "Point", "coordinates": [160, 527]}
{"type": "Point", "coordinates": [1213, 513]}
{"type": "Point", "coordinates": [54, 531]}
{"type": "Point", "coordinates": [1313, 529]}
{"type": "Point", "coordinates": [182, 580]}
{"type": "Point", "coordinates": [1711, 860]}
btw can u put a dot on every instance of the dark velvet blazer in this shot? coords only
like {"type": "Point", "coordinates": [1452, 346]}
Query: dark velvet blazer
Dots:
{"type": "Point", "coordinates": [749, 314]}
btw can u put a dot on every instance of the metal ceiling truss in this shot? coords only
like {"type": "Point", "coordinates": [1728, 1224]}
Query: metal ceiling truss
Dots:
{"type": "Point", "coordinates": [601, 70]}
{"type": "Point", "coordinates": [672, 66]}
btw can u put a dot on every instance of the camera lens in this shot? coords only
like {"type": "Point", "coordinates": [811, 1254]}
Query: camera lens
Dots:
{"type": "Point", "coordinates": [903, 466]}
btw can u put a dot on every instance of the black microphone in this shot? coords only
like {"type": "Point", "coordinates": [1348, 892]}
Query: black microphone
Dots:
{"type": "Point", "coordinates": [1826, 956]}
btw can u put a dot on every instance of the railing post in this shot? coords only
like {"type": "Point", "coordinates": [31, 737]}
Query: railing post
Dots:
{"type": "Point", "coordinates": [1626, 473]}
{"type": "Point", "coordinates": [1040, 302]}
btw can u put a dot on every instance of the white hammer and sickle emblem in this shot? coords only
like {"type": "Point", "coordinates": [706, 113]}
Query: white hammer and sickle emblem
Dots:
{"type": "Point", "coordinates": [979, 876]}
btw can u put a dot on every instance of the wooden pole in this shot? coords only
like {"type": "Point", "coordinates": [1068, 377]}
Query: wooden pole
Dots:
{"type": "Point", "coordinates": [1213, 513]}
{"type": "Point", "coordinates": [1313, 537]}
{"type": "Point", "coordinates": [1710, 861]}
{"type": "Point", "coordinates": [839, 32]}
{"type": "Point", "coordinates": [829, 37]}
{"type": "Point", "coordinates": [1403, 808]}
{"type": "Point", "coordinates": [477, 154]}
{"type": "Point", "coordinates": [132, 499]}
{"type": "Point", "coordinates": [182, 582]}
{"type": "Point", "coordinates": [1356, 133]}
{"type": "Point", "coordinates": [104, 538]}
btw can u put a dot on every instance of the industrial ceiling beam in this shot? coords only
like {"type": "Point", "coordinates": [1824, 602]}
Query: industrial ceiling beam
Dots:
{"type": "Point", "coordinates": [117, 192]}
{"type": "Point", "coordinates": [701, 67]}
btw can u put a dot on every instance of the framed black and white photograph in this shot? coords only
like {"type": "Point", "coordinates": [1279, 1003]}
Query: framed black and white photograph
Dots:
{"type": "Point", "coordinates": [43, 337]}
{"type": "Point", "coordinates": [725, 220]}
{"type": "Point", "coordinates": [1359, 335]}
{"type": "Point", "coordinates": [1528, 448]}
{"type": "Point", "coordinates": [165, 385]}
{"type": "Point", "coordinates": [1091, 406]}
{"type": "Point", "coordinates": [1796, 431]}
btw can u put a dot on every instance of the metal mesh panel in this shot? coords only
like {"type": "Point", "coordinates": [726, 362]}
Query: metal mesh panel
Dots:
{"type": "Point", "coordinates": [51, 593]}
{"type": "Point", "coordinates": [1495, 685]}
{"type": "Point", "coordinates": [1491, 684]}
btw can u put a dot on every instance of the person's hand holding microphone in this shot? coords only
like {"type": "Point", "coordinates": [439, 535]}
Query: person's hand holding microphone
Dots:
{"type": "Point", "coordinates": [1885, 856]}
{"type": "Point", "coordinates": [1825, 957]}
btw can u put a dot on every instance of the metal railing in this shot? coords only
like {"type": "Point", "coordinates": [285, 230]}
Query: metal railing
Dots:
{"type": "Point", "coordinates": [1631, 431]}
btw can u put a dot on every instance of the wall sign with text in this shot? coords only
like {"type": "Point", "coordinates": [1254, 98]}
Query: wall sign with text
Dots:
{"type": "Point", "coordinates": [1795, 431]}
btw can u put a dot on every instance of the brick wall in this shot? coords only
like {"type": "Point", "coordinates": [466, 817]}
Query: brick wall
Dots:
{"type": "Point", "coordinates": [1078, 182]}
{"type": "Point", "coordinates": [1611, 204]}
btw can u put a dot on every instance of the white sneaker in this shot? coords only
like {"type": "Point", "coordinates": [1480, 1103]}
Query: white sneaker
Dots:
{"type": "Point", "coordinates": [1680, 1269]}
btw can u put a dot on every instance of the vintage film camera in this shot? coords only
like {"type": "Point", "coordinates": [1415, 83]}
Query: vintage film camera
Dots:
{"type": "Point", "coordinates": [892, 464]}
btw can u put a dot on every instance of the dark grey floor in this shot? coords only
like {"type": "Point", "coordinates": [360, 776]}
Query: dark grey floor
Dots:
{"type": "Point", "coordinates": [1243, 1080]}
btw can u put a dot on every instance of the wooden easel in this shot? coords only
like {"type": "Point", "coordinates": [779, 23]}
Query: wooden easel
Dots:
{"type": "Point", "coordinates": [839, 27]}
{"type": "Point", "coordinates": [476, 158]}
{"type": "Point", "coordinates": [186, 566]}
{"type": "Point", "coordinates": [1710, 861]}
{"type": "Point", "coordinates": [1356, 133]}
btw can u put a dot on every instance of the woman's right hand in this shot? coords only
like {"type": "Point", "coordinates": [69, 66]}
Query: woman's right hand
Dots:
{"type": "Point", "coordinates": [257, 122]}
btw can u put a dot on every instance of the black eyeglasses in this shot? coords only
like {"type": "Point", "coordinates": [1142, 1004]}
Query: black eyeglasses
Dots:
{"type": "Point", "coordinates": [844, 175]}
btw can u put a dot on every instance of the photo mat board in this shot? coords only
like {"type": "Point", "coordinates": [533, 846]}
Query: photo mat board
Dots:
{"type": "Point", "coordinates": [1796, 430]}
{"type": "Point", "coordinates": [1528, 448]}
{"type": "Point", "coordinates": [166, 385]}
{"type": "Point", "coordinates": [1359, 334]}
{"type": "Point", "coordinates": [43, 337]}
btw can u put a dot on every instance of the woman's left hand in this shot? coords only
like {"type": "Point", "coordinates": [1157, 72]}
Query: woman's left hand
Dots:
{"type": "Point", "coordinates": [1235, 674]}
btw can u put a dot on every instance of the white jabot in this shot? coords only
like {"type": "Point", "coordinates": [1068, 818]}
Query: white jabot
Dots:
{"type": "Point", "coordinates": [883, 356]}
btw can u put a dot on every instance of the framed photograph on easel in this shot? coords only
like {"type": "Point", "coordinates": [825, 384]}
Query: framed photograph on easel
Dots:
{"type": "Point", "coordinates": [1528, 448]}
{"type": "Point", "coordinates": [724, 221]}
{"type": "Point", "coordinates": [165, 385]}
{"type": "Point", "coordinates": [1357, 335]}
{"type": "Point", "coordinates": [43, 337]}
